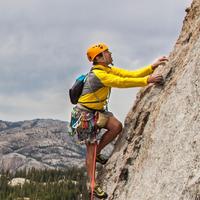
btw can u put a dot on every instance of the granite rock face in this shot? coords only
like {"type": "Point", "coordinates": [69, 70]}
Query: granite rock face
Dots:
{"type": "Point", "coordinates": [38, 143]}
{"type": "Point", "coordinates": [157, 156]}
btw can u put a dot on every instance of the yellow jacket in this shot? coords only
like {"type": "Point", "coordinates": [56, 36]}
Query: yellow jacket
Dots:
{"type": "Point", "coordinates": [101, 79]}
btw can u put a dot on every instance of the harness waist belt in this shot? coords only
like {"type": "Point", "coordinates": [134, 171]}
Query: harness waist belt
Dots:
{"type": "Point", "coordinates": [82, 107]}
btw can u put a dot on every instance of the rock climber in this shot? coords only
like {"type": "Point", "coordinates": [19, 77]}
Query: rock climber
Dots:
{"type": "Point", "coordinates": [92, 103]}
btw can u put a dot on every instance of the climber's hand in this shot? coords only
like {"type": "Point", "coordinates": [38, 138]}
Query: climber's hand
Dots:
{"type": "Point", "coordinates": [157, 78]}
{"type": "Point", "coordinates": [159, 61]}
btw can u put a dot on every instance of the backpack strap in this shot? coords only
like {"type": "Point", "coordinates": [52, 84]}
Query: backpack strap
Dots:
{"type": "Point", "coordinates": [96, 96]}
{"type": "Point", "coordinates": [98, 100]}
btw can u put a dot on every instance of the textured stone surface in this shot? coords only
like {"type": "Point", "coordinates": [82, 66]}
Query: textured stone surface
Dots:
{"type": "Point", "coordinates": [157, 157]}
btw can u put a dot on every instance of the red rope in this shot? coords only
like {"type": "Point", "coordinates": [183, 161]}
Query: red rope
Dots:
{"type": "Point", "coordinates": [93, 171]}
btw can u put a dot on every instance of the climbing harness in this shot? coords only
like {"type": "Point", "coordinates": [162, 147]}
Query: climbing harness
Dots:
{"type": "Point", "coordinates": [83, 124]}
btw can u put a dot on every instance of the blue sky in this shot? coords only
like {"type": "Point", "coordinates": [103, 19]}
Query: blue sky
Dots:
{"type": "Point", "coordinates": [43, 45]}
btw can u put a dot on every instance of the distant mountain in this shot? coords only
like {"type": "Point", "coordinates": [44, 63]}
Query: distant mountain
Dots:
{"type": "Point", "coordinates": [39, 143]}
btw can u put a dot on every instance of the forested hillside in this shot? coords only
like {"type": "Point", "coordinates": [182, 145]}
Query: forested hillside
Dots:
{"type": "Point", "coordinates": [44, 185]}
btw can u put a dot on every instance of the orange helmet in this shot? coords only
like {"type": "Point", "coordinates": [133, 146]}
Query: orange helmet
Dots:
{"type": "Point", "coordinates": [95, 50]}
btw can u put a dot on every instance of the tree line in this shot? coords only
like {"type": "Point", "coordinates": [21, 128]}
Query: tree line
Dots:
{"type": "Point", "coordinates": [48, 184]}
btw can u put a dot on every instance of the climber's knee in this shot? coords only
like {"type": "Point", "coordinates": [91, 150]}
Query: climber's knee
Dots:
{"type": "Point", "coordinates": [114, 125]}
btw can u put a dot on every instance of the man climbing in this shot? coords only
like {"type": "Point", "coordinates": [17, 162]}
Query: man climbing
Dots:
{"type": "Point", "coordinates": [92, 104]}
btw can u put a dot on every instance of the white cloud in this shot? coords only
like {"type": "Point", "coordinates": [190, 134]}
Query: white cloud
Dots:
{"type": "Point", "coordinates": [43, 45]}
{"type": "Point", "coordinates": [48, 104]}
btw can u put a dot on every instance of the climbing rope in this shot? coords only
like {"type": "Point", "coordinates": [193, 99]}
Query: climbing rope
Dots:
{"type": "Point", "coordinates": [93, 171]}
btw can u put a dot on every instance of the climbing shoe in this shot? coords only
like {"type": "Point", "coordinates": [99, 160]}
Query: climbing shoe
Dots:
{"type": "Point", "coordinates": [99, 193]}
{"type": "Point", "coordinates": [101, 159]}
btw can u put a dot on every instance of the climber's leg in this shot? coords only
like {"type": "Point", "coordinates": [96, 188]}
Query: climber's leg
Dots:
{"type": "Point", "coordinates": [114, 127]}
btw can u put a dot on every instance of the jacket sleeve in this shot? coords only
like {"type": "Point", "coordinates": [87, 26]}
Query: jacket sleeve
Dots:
{"type": "Point", "coordinates": [112, 80]}
{"type": "Point", "coordinates": [134, 73]}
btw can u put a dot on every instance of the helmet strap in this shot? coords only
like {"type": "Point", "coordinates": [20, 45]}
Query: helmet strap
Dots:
{"type": "Point", "coordinates": [106, 60]}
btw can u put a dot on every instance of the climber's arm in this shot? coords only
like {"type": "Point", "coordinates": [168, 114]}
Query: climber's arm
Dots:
{"type": "Point", "coordinates": [132, 73]}
{"type": "Point", "coordinates": [159, 61]}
